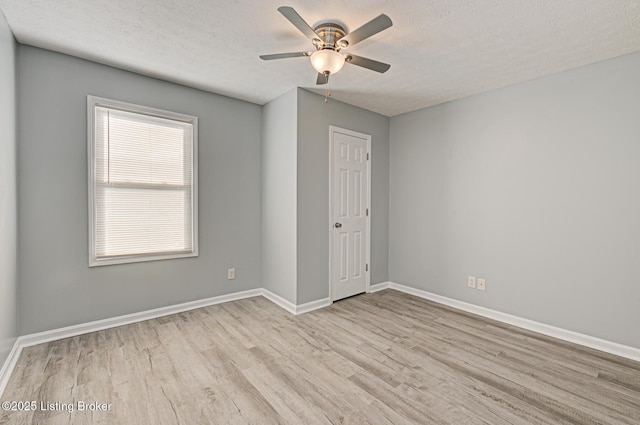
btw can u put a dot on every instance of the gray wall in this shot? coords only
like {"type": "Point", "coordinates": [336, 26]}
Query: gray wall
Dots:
{"type": "Point", "coordinates": [57, 288]}
{"type": "Point", "coordinates": [279, 211]}
{"type": "Point", "coordinates": [533, 187]}
{"type": "Point", "coordinates": [8, 197]}
{"type": "Point", "coordinates": [314, 119]}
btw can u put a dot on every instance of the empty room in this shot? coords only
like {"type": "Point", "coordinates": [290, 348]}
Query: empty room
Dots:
{"type": "Point", "coordinates": [363, 212]}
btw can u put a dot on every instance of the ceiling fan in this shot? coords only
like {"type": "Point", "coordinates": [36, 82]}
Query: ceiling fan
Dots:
{"type": "Point", "coordinates": [329, 39]}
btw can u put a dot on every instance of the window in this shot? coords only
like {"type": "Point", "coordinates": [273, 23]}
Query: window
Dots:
{"type": "Point", "coordinates": [142, 183]}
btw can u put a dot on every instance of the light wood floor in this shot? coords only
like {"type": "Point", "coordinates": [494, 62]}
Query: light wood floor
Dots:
{"type": "Point", "coordinates": [384, 358]}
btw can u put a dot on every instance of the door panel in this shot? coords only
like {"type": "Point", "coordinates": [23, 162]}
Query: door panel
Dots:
{"type": "Point", "coordinates": [349, 213]}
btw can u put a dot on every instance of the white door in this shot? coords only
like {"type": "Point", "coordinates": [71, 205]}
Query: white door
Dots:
{"type": "Point", "coordinates": [349, 213]}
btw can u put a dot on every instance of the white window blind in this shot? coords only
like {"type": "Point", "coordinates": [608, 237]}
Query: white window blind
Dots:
{"type": "Point", "coordinates": [143, 201]}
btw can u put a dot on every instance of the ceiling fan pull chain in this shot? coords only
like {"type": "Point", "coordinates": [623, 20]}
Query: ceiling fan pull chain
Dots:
{"type": "Point", "coordinates": [326, 98]}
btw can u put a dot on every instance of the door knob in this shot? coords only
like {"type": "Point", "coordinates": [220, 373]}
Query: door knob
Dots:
{"type": "Point", "coordinates": [337, 225]}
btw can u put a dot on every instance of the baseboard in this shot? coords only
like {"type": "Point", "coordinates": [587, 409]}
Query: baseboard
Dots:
{"type": "Point", "coordinates": [9, 365]}
{"type": "Point", "coordinates": [313, 305]}
{"type": "Point", "coordinates": [378, 287]}
{"type": "Point", "coordinates": [279, 301]}
{"type": "Point", "coordinates": [98, 325]}
{"type": "Point", "coordinates": [293, 308]}
{"type": "Point", "coordinates": [548, 330]}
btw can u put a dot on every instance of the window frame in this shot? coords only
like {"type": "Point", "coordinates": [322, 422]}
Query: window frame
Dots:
{"type": "Point", "coordinates": [92, 103]}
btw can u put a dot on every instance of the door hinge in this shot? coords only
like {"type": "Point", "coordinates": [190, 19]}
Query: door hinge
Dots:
{"type": "Point", "coordinates": [367, 212]}
{"type": "Point", "coordinates": [366, 268]}
{"type": "Point", "coordinates": [367, 156]}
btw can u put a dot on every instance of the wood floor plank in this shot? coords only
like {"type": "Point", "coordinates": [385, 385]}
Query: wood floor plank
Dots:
{"type": "Point", "coordinates": [383, 358]}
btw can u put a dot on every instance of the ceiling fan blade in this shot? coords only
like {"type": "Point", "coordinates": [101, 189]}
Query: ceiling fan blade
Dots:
{"type": "Point", "coordinates": [293, 17]}
{"type": "Point", "coordinates": [284, 55]}
{"type": "Point", "coordinates": [322, 79]}
{"type": "Point", "coordinates": [368, 63]}
{"type": "Point", "coordinates": [372, 27]}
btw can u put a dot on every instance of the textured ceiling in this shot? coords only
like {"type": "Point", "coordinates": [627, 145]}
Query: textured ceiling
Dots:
{"type": "Point", "coordinates": [439, 50]}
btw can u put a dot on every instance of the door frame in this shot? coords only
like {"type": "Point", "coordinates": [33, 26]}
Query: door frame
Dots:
{"type": "Point", "coordinates": [367, 137]}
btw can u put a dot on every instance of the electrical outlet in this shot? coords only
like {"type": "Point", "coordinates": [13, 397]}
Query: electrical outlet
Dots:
{"type": "Point", "coordinates": [231, 274]}
{"type": "Point", "coordinates": [482, 284]}
{"type": "Point", "coordinates": [471, 282]}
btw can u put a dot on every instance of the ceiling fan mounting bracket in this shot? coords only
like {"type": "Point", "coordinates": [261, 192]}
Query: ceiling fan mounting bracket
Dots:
{"type": "Point", "coordinates": [329, 33]}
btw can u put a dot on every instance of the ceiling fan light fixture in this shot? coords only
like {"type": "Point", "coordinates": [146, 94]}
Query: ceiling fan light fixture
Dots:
{"type": "Point", "coordinates": [327, 61]}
